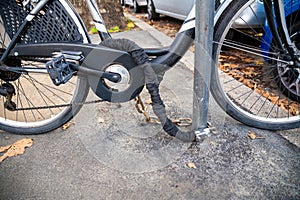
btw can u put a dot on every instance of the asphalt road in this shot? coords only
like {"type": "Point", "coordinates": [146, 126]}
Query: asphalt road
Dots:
{"type": "Point", "coordinates": [110, 153]}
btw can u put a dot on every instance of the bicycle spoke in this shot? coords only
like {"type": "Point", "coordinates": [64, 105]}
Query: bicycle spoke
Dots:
{"type": "Point", "coordinates": [42, 95]}
{"type": "Point", "coordinates": [257, 82]}
{"type": "Point", "coordinates": [37, 105]}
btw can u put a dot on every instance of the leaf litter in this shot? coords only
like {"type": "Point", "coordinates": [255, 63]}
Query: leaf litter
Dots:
{"type": "Point", "coordinates": [191, 165]}
{"type": "Point", "coordinates": [253, 136]}
{"type": "Point", "coordinates": [15, 149]}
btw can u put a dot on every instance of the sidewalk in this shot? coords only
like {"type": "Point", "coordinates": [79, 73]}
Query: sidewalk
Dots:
{"type": "Point", "coordinates": [110, 153]}
{"type": "Point", "coordinates": [158, 39]}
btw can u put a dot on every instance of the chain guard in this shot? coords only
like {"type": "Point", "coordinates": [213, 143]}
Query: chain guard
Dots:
{"type": "Point", "coordinates": [109, 91]}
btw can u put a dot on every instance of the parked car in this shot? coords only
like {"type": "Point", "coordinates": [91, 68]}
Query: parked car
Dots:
{"type": "Point", "coordinates": [136, 4]}
{"type": "Point", "coordinates": [174, 8]}
{"type": "Point", "coordinates": [179, 9]}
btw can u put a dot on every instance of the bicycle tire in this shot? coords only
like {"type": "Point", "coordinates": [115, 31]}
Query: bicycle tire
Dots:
{"type": "Point", "coordinates": [242, 81]}
{"type": "Point", "coordinates": [36, 98]}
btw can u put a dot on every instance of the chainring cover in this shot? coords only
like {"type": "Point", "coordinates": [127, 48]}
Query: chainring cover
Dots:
{"type": "Point", "coordinates": [131, 84]}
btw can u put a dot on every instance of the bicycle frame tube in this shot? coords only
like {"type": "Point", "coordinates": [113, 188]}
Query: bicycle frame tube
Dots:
{"type": "Point", "coordinates": [186, 34]}
{"type": "Point", "coordinates": [183, 40]}
{"type": "Point", "coordinates": [32, 15]}
{"type": "Point", "coordinates": [22, 28]}
{"type": "Point", "coordinates": [98, 20]}
{"type": "Point", "coordinates": [283, 31]}
{"type": "Point", "coordinates": [277, 30]}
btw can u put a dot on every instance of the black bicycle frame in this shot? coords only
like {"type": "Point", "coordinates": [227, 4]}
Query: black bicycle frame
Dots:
{"type": "Point", "coordinates": [167, 56]}
{"type": "Point", "coordinates": [279, 30]}
{"type": "Point", "coordinates": [48, 50]}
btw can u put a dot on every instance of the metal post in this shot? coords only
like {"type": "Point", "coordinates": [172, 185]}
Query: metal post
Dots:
{"type": "Point", "coordinates": [203, 64]}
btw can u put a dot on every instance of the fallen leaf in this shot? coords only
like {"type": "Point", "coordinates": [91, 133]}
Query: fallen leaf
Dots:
{"type": "Point", "coordinates": [148, 102]}
{"type": "Point", "coordinates": [252, 135]}
{"type": "Point", "coordinates": [66, 126]}
{"type": "Point", "coordinates": [2, 149]}
{"type": "Point", "coordinates": [104, 110]}
{"type": "Point", "coordinates": [100, 120]}
{"type": "Point", "coordinates": [15, 149]}
{"type": "Point", "coordinates": [191, 165]}
{"type": "Point", "coordinates": [130, 25]}
{"type": "Point", "coordinates": [255, 86]}
{"type": "Point", "coordinates": [294, 110]}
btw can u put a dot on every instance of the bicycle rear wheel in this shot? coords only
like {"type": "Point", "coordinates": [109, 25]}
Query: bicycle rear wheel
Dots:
{"type": "Point", "coordinates": [36, 105]}
{"type": "Point", "coordinates": [250, 80]}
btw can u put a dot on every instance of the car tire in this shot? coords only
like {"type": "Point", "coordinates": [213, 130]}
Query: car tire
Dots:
{"type": "Point", "coordinates": [152, 15]}
{"type": "Point", "coordinates": [136, 7]}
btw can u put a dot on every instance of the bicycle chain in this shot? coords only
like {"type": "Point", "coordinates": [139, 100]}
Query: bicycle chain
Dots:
{"type": "Point", "coordinates": [60, 106]}
{"type": "Point", "coordinates": [139, 102]}
{"type": "Point", "coordinates": [141, 108]}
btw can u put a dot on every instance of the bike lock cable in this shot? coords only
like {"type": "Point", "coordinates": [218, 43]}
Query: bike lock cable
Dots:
{"type": "Point", "coordinates": [152, 81]}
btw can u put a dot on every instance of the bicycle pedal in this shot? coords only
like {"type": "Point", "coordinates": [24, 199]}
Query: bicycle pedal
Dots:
{"type": "Point", "coordinates": [59, 70]}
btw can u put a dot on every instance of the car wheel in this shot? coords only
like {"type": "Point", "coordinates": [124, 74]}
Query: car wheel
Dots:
{"type": "Point", "coordinates": [152, 15]}
{"type": "Point", "coordinates": [136, 7]}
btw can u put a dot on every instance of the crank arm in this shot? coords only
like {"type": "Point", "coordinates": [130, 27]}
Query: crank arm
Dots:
{"type": "Point", "coordinates": [92, 61]}
{"type": "Point", "coordinates": [114, 77]}
{"type": "Point", "coordinates": [93, 58]}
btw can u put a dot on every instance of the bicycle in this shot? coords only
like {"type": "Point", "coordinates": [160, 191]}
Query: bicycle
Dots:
{"type": "Point", "coordinates": [46, 38]}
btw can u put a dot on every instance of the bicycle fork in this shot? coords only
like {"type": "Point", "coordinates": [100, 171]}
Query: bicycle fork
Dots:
{"type": "Point", "coordinates": [279, 31]}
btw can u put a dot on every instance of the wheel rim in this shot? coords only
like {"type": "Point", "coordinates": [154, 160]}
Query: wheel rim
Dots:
{"type": "Point", "coordinates": [247, 88]}
{"type": "Point", "coordinates": [33, 93]}
{"type": "Point", "coordinates": [289, 76]}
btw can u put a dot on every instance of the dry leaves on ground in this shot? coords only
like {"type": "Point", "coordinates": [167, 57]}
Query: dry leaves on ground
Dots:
{"type": "Point", "coordinates": [253, 136]}
{"type": "Point", "coordinates": [67, 125]}
{"type": "Point", "coordinates": [15, 149]}
{"type": "Point", "coordinates": [252, 74]}
{"type": "Point", "coordinates": [191, 165]}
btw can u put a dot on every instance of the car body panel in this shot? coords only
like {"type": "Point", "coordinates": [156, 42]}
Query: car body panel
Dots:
{"type": "Point", "coordinates": [140, 2]}
{"type": "Point", "coordinates": [174, 8]}
{"type": "Point", "coordinates": [180, 10]}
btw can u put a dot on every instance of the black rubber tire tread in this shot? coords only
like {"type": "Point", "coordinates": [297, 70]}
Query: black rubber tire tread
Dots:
{"type": "Point", "coordinates": [63, 116]}
{"type": "Point", "coordinates": [136, 7]}
{"type": "Point", "coordinates": [83, 89]}
{"type": "Point", "coordinates": [152, 15]}
{"type": "Point", "coordinates": [219, 94]}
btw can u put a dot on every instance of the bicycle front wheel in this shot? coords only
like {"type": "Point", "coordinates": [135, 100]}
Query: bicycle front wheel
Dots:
{"type": "Point", "coordinates": [34, 105]}
{"type": "Point", "coordinates": [251, 81]}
